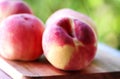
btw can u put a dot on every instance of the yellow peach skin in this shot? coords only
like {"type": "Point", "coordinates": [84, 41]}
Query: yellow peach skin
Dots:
{"type": "Point", "coordinates": [56, 52]}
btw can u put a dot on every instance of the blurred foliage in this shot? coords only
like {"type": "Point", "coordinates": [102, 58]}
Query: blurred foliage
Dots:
{"type": "Point", "coordinates": [105, 13]}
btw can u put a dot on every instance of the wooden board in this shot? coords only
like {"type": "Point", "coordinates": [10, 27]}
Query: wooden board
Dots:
{"type": "Point", "coordinates": [107, 60]}
{"type": "Point", "coordinates": [4, 75]}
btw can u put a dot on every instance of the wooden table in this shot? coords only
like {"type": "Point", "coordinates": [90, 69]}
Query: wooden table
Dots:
{"type": "Point", "coordinates": [106, 65]}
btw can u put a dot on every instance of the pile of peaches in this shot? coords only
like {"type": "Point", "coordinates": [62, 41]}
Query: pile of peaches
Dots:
{"type": "Point", "coordinates": [68, 39]}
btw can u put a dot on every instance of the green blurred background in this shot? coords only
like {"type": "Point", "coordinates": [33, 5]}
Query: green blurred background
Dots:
{"type": "Point", "coordinates": [105, 13]}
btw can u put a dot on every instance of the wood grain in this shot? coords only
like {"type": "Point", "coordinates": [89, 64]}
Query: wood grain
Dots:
{"type": "Point", "coordinates": [107, 60]}
{"type": "Point", "coordinates": [4, 75]}
{"type": "Point", "coordinates": [107, 75]}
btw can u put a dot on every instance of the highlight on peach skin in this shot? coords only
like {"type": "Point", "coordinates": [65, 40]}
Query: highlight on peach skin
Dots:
{"type": "Point", "coordinates": [10, 7]}
{"type": "Point", "coordinates": [21, 37]}
{"type": "Point", "coordinates": [69, 40]}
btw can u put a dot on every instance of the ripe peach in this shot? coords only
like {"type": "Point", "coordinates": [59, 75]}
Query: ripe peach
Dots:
{"type": "Point", "coordinates": [69, 40]}
{"type": "Point", "coordinates": [9, 7]}
{"type": "Point", "coordinates": [21, 37]}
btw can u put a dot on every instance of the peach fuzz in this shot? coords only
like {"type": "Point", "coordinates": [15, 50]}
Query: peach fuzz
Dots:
{"type": "Point", "coordinates": [69, 42]}
{"type": "Point", "coordinates": [21, 37]}
{"type": "Point", "coordinates": [10, 7]}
